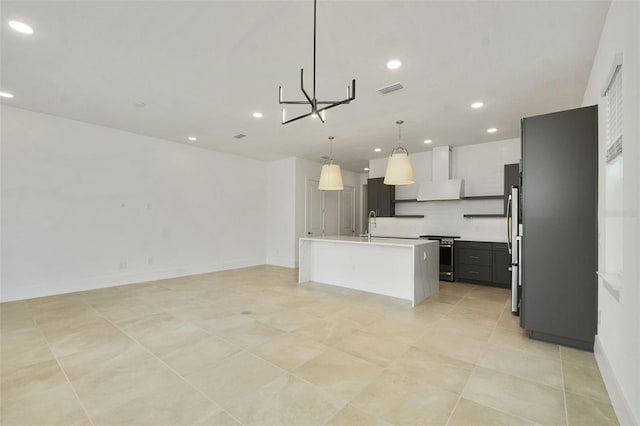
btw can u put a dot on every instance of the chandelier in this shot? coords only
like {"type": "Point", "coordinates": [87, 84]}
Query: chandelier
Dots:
{"type": "Point", "coordinates": [312, 101]}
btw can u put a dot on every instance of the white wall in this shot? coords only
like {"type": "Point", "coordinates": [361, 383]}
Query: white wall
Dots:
{"type": "Point", "coordinates": [281, 212]}
{"type": "Point", "coordinates": [482, 168]}
{"type": "Point", "coordinates": [618, 341]}
{"type": "Point", "coordinates": [85, 206]}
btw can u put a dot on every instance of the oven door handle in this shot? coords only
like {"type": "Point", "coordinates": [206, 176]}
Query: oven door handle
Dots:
{"type": "Point", "coordinates": [446, 245]}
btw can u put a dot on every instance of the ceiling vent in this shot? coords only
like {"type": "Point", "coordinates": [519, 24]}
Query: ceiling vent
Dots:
{"type": "Point", "coordinates": [393, 88]}
{"type": "Point", "coordinates": [239, 136]}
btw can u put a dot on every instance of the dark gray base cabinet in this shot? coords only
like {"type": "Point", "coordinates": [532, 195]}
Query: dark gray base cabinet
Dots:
{"type": "Point", "coordinates": [482, 263]}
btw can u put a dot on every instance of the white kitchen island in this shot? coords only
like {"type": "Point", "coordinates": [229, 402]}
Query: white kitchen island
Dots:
{"type": "Point", "coordinates": [406, 269]}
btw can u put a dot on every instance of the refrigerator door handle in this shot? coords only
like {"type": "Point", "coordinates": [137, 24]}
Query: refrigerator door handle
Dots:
{"type": "Point", "coordinates": [514, 288]}
{"type": "Point", "coordinates": [509, 224]}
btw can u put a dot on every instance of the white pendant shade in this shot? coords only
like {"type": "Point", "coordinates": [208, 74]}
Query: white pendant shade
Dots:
{"type": "Point", "coordinates": [330, 178]}
{"type": "Point", "coordinates": [399, 168]}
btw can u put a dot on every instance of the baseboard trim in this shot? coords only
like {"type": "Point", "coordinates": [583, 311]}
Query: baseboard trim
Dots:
{"type": "Point", "coordinates": [51, 288]}
{"type": "Point", "coordinates": [620, 404]}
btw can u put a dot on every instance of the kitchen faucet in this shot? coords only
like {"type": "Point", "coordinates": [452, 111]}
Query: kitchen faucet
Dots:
{"type": "Point", "coordinates": [372, 212]}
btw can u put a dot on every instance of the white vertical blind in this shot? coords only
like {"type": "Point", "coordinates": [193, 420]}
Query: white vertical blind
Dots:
{"type": "Point", "coordinates": [614, 115]}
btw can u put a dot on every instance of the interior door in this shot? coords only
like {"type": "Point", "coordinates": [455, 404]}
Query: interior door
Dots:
{"type": "Point", "coordinates": [347, 211]}
{"type": "Point", "coordinates": [314, 224]}
{"type": "Point", "coordinates": [331, 218]}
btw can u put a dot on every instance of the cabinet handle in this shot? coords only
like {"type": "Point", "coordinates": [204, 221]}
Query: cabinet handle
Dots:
{"type": "Point", "coordinates": [474, 272]}
{"type": "Point", "coordinates": [474, 257]}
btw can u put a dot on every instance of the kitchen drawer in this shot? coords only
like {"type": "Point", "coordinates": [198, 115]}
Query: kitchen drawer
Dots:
{"type": "Point", "coordinates": [473, 245]}
{"type": "Point", "coordinates": [474, 257]}
{"type": "Point", "coordinates": [474, 272]}
{"type": "Point", "coordinates": [500, 247]}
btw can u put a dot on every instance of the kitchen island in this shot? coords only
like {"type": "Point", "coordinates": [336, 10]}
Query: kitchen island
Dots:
{"type": "Point", "coordinates": [402, 268]}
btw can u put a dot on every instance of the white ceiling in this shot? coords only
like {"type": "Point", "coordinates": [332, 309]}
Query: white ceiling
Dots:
{"type": "Point", "coordinates": [202, 68]}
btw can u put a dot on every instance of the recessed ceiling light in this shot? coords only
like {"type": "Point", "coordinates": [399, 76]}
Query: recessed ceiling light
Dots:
{"type": "Point", "coordinates": [394, 64]}
{"type": "Point", "coordinates": [492, 130]}
{"type": "Point", "coordinates": [428, 141]}
{"type": "Point", "coordinates": [378, 149]}
{"type": "Point", "coordinates": [6, 95]}
{"type": "Point", "coordinates": [21, 27]}
{"type": "Point", "coordinates": [192, 138]}
{"type": "Point", "coordinates": [477, 105]}
{"type": "Point", "coordinates": [257, 115]}
{"type": "Point", "coordinates": [366, 169]}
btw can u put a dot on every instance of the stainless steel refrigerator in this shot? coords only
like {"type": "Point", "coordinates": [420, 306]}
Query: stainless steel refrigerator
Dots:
{"type": "Point", "coordinates": [554, 248]}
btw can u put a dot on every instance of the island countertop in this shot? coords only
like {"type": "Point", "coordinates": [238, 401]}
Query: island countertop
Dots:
{"type": "Point", "coordinates": [396, 267]}
{"type": "Point", "coordinates": [380, 241]}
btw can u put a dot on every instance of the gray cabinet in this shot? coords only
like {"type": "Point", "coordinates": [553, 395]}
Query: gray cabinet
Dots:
{"type": "Point", "coordinates": [381, 197]}
{"type": "Point", "coordinates": [482, 262]}
{"type": "Point", "coordinates": [560, 226]}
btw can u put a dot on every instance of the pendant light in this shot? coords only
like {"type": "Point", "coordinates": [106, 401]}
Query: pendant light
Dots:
{"type": "Point", "coordinates": [399, 168]}
{"type": "Point", "coordinates": [330, 176]}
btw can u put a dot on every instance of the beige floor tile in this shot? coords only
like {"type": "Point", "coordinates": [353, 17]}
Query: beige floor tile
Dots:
{"type": "Point", "coordinates": [127, 390]}
{"type": "Point", "coordinates": [286, 320]}
{"type": "Point", "coordinates": [174, 404]}
{"type": "Point", "coordinates": [542, 370]}
{"type": "Point", "coordinates": [380, 349]}
{"type": "Point", "coordinates": [577, 356]}
{"type": "Point", "coordinates": [163, 333]}
{"type": "Point", "coordinates": [462, 348]}
{"type": "Point", "coordinates": [234, 377]}
{"type": "Point", "coordinates": [125, 308]}
{"type": "Point", "coordinates": [471, 413]}
{"type": "Point", "coordinates": [430, 407]}
{"type": "Point", "coordinates": [82, 336]}
{"type": "Point", "coordinates": [240, 329]}
{"type": "Point", "coordinates": [509, 320]}
{"type": "Point", "coordinates": [96, 358]}
{"type": "Point", "coordinates": [285, 401]}
{"type": "Point", "coordinates": [443, 297]}
{"type": "Point", "coordinates": [518, 339]}
{"type": "Point", "coordinates": [433, 367]}
{"type": "Point", "coordinates": [432, 305]}
{"type": "Point", "coordinates": [464, 327]}
{"type": "Point", "coordinates": [21, 348]}
{"type": "Point", "coordinates": [479, 290]}
{"type": "Point", "coordinates": [477, 316]}
{"type": "Point", "coordinates": [342, 374]}
{"type": "Point", "coordinates": [482, 305]}
{"type": "Point", "coordinates": [351, 416]}
{"type": "Point", "coordinates": [55, 406]}
{"type": "Point", "coordinates": [33, 378]}
{"type": "Point", "coordinates": [583, 411]}
{"type": "Point", "coordinates": [386, 395]}
{"type": "Point", "coordinates": [289, 351]}
{"type": "Point", "coordinates": [542, 404]}
{"type": "Point", "coordinates": [195, 355]}
{"type": "Point", "coordinates": [585, 381]}
{"type": "Point", "coordinates": [328, 331]}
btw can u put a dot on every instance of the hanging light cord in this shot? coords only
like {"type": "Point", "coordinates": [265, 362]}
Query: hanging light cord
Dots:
{"type": "Point", "coordinates": [314, 102]}
{"type": "Point", "coordinates": [399, 148]}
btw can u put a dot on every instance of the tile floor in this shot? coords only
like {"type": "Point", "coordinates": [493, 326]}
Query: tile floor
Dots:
{"type": "Point", "coordinates": [251, 347]}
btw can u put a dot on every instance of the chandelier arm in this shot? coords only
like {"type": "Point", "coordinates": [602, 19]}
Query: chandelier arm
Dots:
{"type": "Point", "coordinates": [298, 117]}
{"type": "Point", "coordinates": [346, 101]}
{"type": "Point", "coordinates": [302, 87]}
{"type": "Point", "coordinates": [295, 102]}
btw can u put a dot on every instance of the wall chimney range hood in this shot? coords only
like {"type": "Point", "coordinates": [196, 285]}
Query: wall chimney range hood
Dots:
{"type": "Point", "coordinates": [441, 186]}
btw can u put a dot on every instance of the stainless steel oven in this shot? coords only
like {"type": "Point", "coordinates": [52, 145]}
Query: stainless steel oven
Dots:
{"type": "Point", "coordinates": [446, 255]}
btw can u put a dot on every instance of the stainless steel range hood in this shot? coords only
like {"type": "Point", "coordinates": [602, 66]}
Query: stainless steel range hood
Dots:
{"type": "Point", "coordinates": [441, 186]}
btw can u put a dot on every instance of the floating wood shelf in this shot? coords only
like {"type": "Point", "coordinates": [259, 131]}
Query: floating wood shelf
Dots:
{"type": "Point", "coordinates": [471, 197]}
{"type": "Point", "coordinates": [483, 215]}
